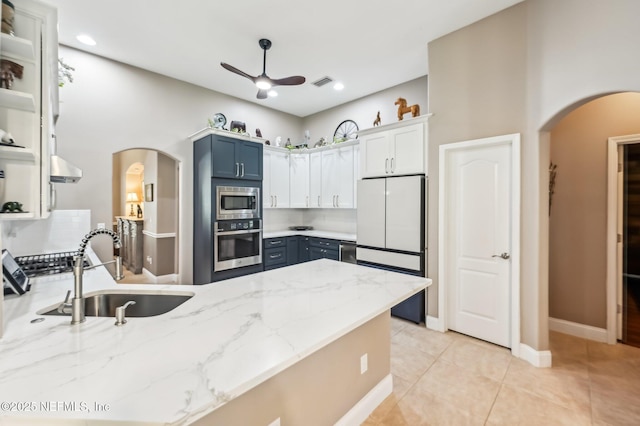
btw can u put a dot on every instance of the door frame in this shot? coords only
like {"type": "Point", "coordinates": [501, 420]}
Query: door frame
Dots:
{"type": "Point", "coordinates": [514, 141]}
{"type": "Point", "coordinates": [613, 211]}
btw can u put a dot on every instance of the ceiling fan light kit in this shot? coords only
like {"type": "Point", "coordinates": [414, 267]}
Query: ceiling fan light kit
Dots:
{"type": "Point", "coordinates": [263, 82]}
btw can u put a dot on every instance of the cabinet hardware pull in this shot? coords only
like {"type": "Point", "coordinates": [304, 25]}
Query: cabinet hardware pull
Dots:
{"type": "Point", "coordinates": [276, 200]}
{"type": "Point", "coordinates": [386, 165]}
{"type": "Point", "coordinates": [307, 201]}
{"type": "Point", "coordinates": [338, 200]}
{"type": "Point", "coordinates": [318, 201]}
{"type": "Point", "coordinates": [242, 166]}
{"type": "Point", "coordinates": [237, 169]}
{"type": "Point", "coordinates": [392, 168]}
{"type": "Point", "coordinates": [271, 196]}
{"type": "Point", "coordinates": [275, 256]}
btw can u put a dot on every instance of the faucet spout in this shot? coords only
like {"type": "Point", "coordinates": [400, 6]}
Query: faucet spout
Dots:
{"type": "Point", "coordinates": [77, 303]}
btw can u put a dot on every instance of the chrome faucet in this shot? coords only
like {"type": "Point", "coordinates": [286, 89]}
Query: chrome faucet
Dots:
{"type": "Point", "coordinates": [76, 307]}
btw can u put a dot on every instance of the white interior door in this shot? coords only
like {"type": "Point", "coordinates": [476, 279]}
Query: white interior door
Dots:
{"type": "Point", "coordinates": [478, 225]}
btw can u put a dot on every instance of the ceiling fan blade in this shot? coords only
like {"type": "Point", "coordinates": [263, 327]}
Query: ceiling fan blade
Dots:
{"type": "Point", "coordinates": [262, 94]}
{"type": "Point", "coordinates": [237, 71]}
{"type": "Point", "coordinates": [288, 81]}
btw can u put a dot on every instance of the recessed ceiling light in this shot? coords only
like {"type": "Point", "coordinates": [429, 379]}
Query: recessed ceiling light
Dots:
{"type": "Point", "coordinates": [272, 93]}
{"type": "Point", "coordinates": [85, 39]}
{"type": "Point", "coordinates": [338, 86]}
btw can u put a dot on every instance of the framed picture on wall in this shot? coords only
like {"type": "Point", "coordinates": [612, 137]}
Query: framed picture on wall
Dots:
{"type": "Point", "coordinates": [148, 192]}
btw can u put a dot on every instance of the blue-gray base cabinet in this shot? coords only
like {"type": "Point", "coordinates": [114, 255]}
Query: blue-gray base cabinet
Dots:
{"type": "Point", "coordinates": [284, 251]}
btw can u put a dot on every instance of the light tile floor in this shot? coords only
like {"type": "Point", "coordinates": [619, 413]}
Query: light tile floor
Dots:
{"type": "Point", "coordinates": [452, 379]}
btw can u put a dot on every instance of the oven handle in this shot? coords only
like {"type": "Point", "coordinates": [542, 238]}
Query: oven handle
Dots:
{"type": "Point", "coordinates": [248, 231]}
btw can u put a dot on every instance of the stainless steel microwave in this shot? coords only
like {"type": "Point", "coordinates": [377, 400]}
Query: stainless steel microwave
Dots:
{"type": "Point", "coordinates": [237, 202]}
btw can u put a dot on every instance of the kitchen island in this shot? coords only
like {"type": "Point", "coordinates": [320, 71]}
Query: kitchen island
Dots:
{"type": "Point", "coordinates": [304, 343]}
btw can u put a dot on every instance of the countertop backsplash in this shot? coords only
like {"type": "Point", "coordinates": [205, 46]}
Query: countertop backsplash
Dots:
{"type": "Point", "coordinates": [61, 231]}
{"type": "Point", "coordinates": [333, 220]}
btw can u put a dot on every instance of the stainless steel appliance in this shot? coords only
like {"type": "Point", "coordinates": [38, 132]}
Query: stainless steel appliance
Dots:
{"type": "Point", "coordinates": [237, 202]}
{"type": "Point", "coordinates": [347, 252]}
{"type": "Point", "coordinates": [236, 244]}
{"type": "Point", "coordinates": [391, 232]}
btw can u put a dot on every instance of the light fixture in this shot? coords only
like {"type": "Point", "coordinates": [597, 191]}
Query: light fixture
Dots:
{"type": "Point", "coordinates": [132, 198]}
{"type": "Point", "coordinates": [86, 39]}
{"type": "Point", "coordinates": [263, 83]}
{"type": "Point", "coordinates": [272, 93]}
{"type": "Point", "coordinates": [338, 86]}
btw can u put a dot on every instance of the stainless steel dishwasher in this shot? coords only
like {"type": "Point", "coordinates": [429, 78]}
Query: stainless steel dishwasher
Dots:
{"type": "Point", "coordinates": [347, 251]}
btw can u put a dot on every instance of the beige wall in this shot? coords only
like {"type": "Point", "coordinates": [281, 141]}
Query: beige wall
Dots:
{"type": "Point", "coordinates": [319, 389]}
{"type": "Point", "coordinates": [363, 111]}
{"type": "Point", "coordinates": [577, 225]}
{"type": "Point", "coordinates": [573, 52]}
{"type": "Point", "coordinates": [477, 86]}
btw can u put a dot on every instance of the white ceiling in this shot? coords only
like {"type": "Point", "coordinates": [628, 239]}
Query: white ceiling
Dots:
{"type": "Point", "coordinates": [367, 45]}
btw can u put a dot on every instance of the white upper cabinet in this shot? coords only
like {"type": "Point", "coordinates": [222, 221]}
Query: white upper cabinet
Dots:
{"type": "Point", "coordinates": [299, 180]}
{"type": "Point", "coordinates": [394, 150]}
{"type": "Point", "coordinates": [28, 109]}
{"type": "Point", "coordinates": [338, 178]}
{"type": "Point", "coordinates": [315, 179]}
{"type": "Point", "coordinates": [275, 181]}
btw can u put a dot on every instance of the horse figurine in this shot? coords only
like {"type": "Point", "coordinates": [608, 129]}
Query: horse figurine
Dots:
{"type": "Point", "coordinates": [403, 108]}
{"type": "Point", "coordinates": [377, 121]}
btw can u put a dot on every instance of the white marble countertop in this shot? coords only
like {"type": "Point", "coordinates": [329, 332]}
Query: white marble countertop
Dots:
{"type": "Point", "coordinates": [342, 236]}
{"type": "Point", "coordinates": [175, 368]}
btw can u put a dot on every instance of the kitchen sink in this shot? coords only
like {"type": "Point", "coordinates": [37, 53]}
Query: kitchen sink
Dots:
{"type": "Point", "coordinates": [148, 304]}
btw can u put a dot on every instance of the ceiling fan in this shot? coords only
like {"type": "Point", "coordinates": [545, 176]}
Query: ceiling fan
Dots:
{"type": "Point", "coordinates": [263, 82]}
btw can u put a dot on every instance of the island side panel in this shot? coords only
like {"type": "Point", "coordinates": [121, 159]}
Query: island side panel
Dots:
{"type": "Point", "coordinates": [319, 389]}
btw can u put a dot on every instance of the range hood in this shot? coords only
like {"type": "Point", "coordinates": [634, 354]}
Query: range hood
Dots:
{"type": "Point", "coordinates": [63, 172]}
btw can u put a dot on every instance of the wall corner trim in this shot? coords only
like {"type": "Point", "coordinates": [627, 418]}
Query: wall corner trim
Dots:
{"type": "Point", "coordinates": [579, 330]}
{"type": "Point", "coordinates": [536, 358]}
{"type": "Point", "coordinates": [368, 403]}
{"type": "Point", "coordinates": [434, 323]}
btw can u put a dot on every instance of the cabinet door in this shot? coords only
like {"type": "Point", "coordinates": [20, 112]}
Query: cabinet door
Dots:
{"type": "Point", "coordinates": [374, 155]}
{"type": "Point", "coordinates": [280, 179]}
{"type": "Point", "coordinates": [344, 178]}
{"type": "Point", "coordinates": [275, 182]}
{"type": "Point", "coordinates": [371, 212]}
{"type": "Point", "coordinates": [267, 197]}
{"type": "Point", "coordinates": [316, 253]}
{"type": "Point", "coordinates": [407, 150]}
{"type": "Point", "coordinates": [223, 157]}
{"type": "Point", "coordinates": [315, 180]}
{"type": "Point", "coordinates": [356, 174]}
{"type": "Point", "coordinates": [292, 250]}
{"type": "Point", "coordinates": [249, 155]}
{"type": "Point", "coordinates": [329, 178]}
{"type": "Point", "coordinates": [303, 249]}
{"type": "Point", "coordinates": [299, 180]}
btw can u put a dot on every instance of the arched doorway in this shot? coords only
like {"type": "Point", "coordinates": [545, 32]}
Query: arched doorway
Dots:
{"type": "Point", "coordinates": [151, 177]}
{"type": "Point", "coordinates": [580, 300]}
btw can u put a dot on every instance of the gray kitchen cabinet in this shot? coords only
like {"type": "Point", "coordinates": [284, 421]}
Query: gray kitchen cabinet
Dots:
{"type": "Point", "coordinates": [323, 248]}
{"type": "Point", "coordinates": [274, 253]}
{"type": "Point", "coordinates": [303, 249]}
{"type": "Point", "coordinates": [235, 158]}
{"type": "Point", "coordinates": [292, 250]}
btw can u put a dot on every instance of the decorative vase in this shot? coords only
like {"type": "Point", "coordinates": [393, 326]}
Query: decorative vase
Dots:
{"type": "Point", "coordinates": [8, 12]}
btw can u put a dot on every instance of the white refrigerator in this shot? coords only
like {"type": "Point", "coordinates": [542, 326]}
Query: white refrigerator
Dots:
{"type": "Point", "coordinates": [391, 231]}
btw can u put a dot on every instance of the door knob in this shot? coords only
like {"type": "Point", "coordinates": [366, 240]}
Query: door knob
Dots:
{"type": "Point", "coordinates": [502, 255]}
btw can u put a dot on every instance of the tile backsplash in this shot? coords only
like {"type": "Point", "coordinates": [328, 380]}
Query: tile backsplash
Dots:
{"type": "Point", "coordinates": [63, 230]}
{"type": "Point", "coordinates": [336, 220]}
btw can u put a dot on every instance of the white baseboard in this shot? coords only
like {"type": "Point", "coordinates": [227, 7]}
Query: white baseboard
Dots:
{"type": "Point", "coordinates": [578, 330]}
{"type": "Point", "coordinates": [363, 408]}
{"type": "Point", "coordinates": [534, 357]}
{"type": "Point", "coordinates": [160, 279]}
{"type": "Point", "coordinates": [434, 323]}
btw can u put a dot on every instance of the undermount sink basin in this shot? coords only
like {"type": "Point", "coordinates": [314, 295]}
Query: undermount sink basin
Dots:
{"type": "Point", "coordinates": [148, 304]}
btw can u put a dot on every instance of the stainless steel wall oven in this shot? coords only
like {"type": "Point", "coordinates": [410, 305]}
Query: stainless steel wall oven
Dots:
{"type": "Point", "coordinates": [237, 243]}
